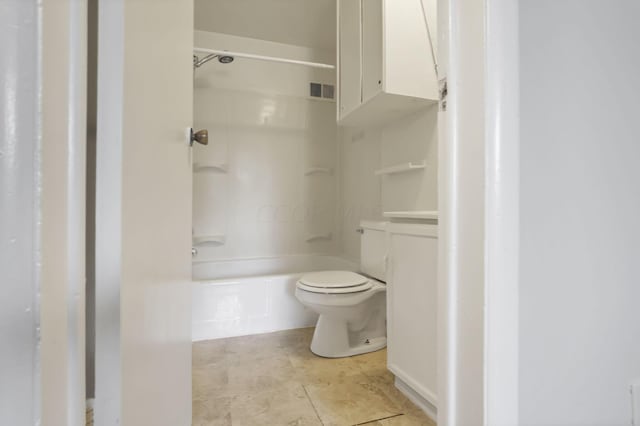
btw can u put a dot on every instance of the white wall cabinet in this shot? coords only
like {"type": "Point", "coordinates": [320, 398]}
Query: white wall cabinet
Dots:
{"type": "Point", "coordinates": [350, 13]}
{"type": "Point", "coordinates": [412, 307]}
{"type": "Point", "coordinates": [371, 49]}
{"type": "Point", "coordinates": [386, 65]}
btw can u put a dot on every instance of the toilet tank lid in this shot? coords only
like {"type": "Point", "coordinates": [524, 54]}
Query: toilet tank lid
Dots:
{"type": "Point", "coordinates": [333, 279]}
{"type": "Point", "coordinates": [376, 225]}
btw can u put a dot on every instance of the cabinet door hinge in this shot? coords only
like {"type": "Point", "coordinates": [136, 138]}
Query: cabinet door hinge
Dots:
{"type": "Point", "coordinates": [442, 85]}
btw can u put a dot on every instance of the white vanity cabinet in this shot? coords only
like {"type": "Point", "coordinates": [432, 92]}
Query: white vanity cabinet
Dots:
{"type": "Point", "coordinates": [412, 307]}
{"type": "Point", "coordinates": [386, 65]}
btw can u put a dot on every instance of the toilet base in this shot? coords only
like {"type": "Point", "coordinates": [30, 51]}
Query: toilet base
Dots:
{"type": "Point", "coordinates": [332, 339]}
{"type": "Point", "coordinates": [373, 345]}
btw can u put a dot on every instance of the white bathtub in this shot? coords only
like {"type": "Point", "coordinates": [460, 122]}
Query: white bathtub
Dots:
{"type": "Point", "coordinates": [251, 296]}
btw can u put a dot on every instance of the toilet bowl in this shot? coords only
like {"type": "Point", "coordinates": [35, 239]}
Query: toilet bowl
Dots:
{"type": "Point", "coordinates": [351, 306]}
{"type": "Point", "coordinates": [352, 311]}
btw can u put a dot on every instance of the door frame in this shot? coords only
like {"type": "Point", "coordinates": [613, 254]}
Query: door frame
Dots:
{"type": "Point", "coordinates": [44, 166]}
{"type": "Point", "coordinates": [479, 213]}
{"type": "Point", "coordinates": [502, 222]}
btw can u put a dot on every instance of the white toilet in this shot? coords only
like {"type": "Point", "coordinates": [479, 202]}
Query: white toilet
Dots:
{"type": "Point", "coordinates": [352, 306]}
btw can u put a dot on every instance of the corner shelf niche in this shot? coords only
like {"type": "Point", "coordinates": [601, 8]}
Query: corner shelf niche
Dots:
{"type": "Point", "coordinates": [209, 240]}
{"type": "Point", "coordinates": [210, 167]}
{"type": "Point", "coordinates": [319, 237]}
{"type": "Point", "coordinates": [319, 171]}
{"type": "Point", "coordinates": [400, 168]}
{"type": "Point", "coordinates": [413, 214]}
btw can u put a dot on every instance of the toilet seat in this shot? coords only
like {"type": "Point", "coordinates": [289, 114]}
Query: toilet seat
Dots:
{"type": "Point", "coordinates": [334, 282]}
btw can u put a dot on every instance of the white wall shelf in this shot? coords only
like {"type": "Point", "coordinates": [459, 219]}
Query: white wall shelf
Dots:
{"type": "Point", "coordinates": [209, 240]}
{"type": "Point", "coordinates": [318, 171]}
{"type": "Point", "coordinates": [416, 214]}
{"type": "Point", "coordinates": [400, 168]}
{"type": "Point", "coordinates": [210, 167]}
{"type": "Point", "coordinates": [319, 237]}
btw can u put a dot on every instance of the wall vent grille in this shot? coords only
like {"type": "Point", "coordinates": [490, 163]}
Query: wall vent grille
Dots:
{"type": "Point", "coordinates": [328, 91]}
{"type": "Point", "coordinates": [315, 90]}
{"type": "Point", "coordinates": [322, 91]}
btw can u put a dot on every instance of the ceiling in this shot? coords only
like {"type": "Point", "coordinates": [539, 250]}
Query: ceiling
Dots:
{"type": "Point", "coordinates": [310, 23]}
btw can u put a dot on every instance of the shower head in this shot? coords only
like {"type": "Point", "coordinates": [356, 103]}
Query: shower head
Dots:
{"type": "Point", "coordinates": [223, 59]}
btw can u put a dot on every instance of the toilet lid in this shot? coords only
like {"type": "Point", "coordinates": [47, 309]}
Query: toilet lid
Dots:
{"type": "Point", "coordinates": [334, 282]}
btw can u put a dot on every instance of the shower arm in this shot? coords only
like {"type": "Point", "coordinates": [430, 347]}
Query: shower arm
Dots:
{"type": "Point", "coordinates": [197, 62]}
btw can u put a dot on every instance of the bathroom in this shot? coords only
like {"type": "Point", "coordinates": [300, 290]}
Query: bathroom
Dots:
{"type": "Point", "coordinates": [358, 241]}
{"type": "Point", "coordinates": [288, 193]}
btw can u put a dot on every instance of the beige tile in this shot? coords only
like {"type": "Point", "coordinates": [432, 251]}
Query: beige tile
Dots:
{"type": "Point", "coordinates": [312, 369]}
{"type": "Point", "coordinates": [265, 374]}
{"type": "Point", "coordinates": [257, 380]}
{"type": "Point", "coordinates": [289, 406]}
{"type": "Point", "coordinates": [386, 384]}
{"type": "Point", "coordinates": [89, 417]}
{"type": "Point", "coordinates": [354, 400]}
{"type": "Point", "coordinates": [293, 339]}
{"type": "Point", "coordinates": [373, 363]}
{"type": "Point", "coordinates": [209, 352]}
{"type": "Point", "coordinates": [212, 412]}
{"type": "Point", "coordinates": [250, 349]}
{"type": "Point", "coordinates": [417, 418]}
{"type": "Point", "coordinates": [210, 381]}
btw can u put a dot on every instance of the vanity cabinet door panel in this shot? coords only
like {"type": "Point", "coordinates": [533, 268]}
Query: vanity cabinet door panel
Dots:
{"type": "Point", "coordinates": [412, 307]}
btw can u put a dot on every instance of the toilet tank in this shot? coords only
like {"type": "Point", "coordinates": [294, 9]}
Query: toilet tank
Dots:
{"type": "Point", "coordinates": [373, 249]}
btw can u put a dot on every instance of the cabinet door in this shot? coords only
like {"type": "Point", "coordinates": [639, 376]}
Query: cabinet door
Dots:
{"type": "Point", "coordinates": [371, 48]}
{"type": "Point", "coordinates": [350, 55]}
{"type": "Point", "coordinates": [412, 307]}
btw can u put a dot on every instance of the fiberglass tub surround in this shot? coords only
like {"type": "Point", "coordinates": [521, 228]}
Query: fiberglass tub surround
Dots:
{"type": "Point", "coordinates": [266, 204]}
{"type": "Point", "coordinates": [266, 185]}
{"type": "Point", "coordinates": [251, 296]}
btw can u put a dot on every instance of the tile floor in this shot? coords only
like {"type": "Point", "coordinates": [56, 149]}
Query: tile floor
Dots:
{"type": "Point", "coordinates": [274, 379]}
{"type": "Point", "coordinates": [89, 417]}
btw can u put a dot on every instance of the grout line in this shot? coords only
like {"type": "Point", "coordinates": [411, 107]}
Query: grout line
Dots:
{"type": "Point", "coordinates": [381, 418]}
{"type": "Point", "coordinates": [312, 404]}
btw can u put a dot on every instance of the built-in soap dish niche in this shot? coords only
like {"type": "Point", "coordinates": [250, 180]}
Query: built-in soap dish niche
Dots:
{"type": "Point", "coordinates": [321, 91]}
{"type": "Point", "coordinates": [401, 168]}
{"type": "Point", "coordinates": [319, 237]}
{"type": "Point", "coordinates": [210, 167]}
{"type": "Point", "coordinates": [209, 240]}
{"type": "Point", "coordinates": [319, 171]}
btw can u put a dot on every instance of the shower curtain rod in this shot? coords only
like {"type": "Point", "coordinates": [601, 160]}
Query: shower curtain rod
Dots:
{"type": "Point", "coordinates": [263, 58]}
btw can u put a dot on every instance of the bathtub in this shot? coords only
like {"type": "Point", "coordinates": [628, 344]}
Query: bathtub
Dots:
{"type": "Point", "coordinates": [250, 296]}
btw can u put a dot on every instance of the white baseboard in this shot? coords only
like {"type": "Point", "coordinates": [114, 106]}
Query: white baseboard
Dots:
{"type": "Point", "coordinates": [428, 408]}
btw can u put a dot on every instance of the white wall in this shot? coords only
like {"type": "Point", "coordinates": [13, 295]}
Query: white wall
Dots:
{"type": "Point", "coordinates": [42, 212]}
{"type": "Point", "coordinates": [579, 289]}
{"type": "Point", "coordinates": [360, 188]}
{"type": "Point", "coordinates": [303, 23]}
{"type": "Point", "coordinates": [412, 138]}
{"type": "Point", "coordinates": [266, 130]}
{"type": "Point", "coordinates": [19, 319]}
